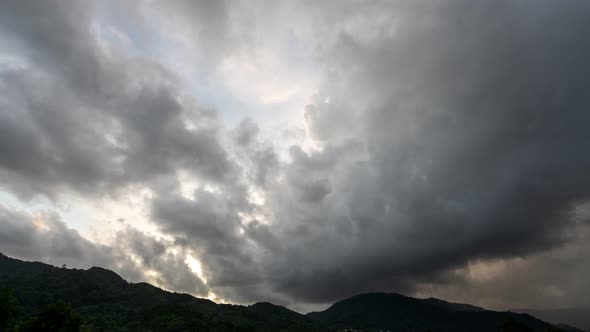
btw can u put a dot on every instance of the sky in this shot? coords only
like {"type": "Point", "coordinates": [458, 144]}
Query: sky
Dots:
{"type": "Point", "coordinates": [301, 152]}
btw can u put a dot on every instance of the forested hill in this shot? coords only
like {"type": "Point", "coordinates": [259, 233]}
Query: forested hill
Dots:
{"type": "Point", "coordinates": [395, 312]}
{"type": "Point", "coordinates": [579, 317]}
{"type": "Point", "coordinates": [40, 297]}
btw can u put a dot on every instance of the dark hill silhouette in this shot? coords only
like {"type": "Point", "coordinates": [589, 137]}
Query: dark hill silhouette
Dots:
{"type": "Point", "coordinates": [395, 312]}
{"type": "Point", "coordinates": [40, 297]}
{"type": "Point", "coordinates": [578, 317]}
{"type": "Point", "coordinates": [104, 301]}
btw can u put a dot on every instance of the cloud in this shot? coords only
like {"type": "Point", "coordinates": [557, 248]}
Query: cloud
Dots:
{"type": "Point", "coordinates": [83, 116]}
{"type": "Point", "coordinates": [203, 29]}
{"type": "Point", "coordinates": [46, 238]}
{"type": "Point", "coordinates": [135, 255]}
{"type": "Point", "coordinates": [548, 279]}
{"type": "Point", "coordinates": [471, 147]}
{"type": "Point", "coordinates": [451, 137]}
{"type": "Point", "coordinates": [246, 132]}
{"type": "Point", "coordinates": [448, 137]}
{"type": "Point", "coordinates": [153, 256]}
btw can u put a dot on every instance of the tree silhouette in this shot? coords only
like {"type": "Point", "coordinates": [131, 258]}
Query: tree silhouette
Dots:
{"type": "Point", "coordinates": [55, 317]}
{"type": "Point", "coordinates": [10, 309]}
{"type": "Point", "coordinates": [512, 325]}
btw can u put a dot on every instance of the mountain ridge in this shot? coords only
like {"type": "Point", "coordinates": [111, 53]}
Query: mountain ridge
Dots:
{"type": "Point", "coordinates": [577, 317]}
{"type": "Point", "coordinates": [109, 303]}
{"type": "Point", "coordinates": [396, 312]}
{"type": "Point", "coordinates": [101, 300]}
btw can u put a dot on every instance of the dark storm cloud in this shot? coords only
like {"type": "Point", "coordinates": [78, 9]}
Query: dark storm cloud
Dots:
{"type": "Point", "coordinates": [474, 130]}
{"type": "Point", "coordinates": [474, 148]}
{"type": "Point", "coordinates": [84, 116]}
{"type": "Point", "coordinates": [554, 278]}
{"type": "Point", "coordinates": [458, 134]}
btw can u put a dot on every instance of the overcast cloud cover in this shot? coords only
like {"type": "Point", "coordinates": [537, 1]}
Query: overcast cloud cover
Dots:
{"type": "Point", "coordinates": [303, 151]}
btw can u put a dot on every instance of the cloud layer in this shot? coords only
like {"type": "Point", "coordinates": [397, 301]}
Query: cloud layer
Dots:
{"type": "Point", "coordinates": [449, 138]}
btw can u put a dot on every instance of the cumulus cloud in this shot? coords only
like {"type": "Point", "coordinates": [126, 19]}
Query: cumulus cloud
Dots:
{"type": "Point", "coordinates": [457, 139]}
{"type": "Point", "coordinates": [87, 117]}
{"type": "Point", "coordinates": [448, 137]}
{"type": "Point", "coordinates": [46, 238]}
{"type": "Point", "coordinates": [134, 254]}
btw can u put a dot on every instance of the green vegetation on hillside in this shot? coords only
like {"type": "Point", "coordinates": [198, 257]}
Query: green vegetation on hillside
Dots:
{"type": "Point", "coordinates": [394, 312]}
{"type": "Point", "coordinates": [39, 297]}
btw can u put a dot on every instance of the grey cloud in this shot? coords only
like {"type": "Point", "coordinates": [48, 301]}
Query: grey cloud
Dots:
{"type": "Point", "coordinates": [559, 279]}
{"type": "Point", "coordinates": [258, 158]}
{"type": "Point", "coordinates": [262, 235]}
{"type": "Point", "coordinates": [173, 272]}
{"type": "Point", "coordinates": [265, 165]}
{"type": "Point", "coordinates": [210, 226]}
{"type": "Point", "coordinates": [472, 140]}
{"type": "Point", "coordinates": [451, 132]}
{"type": "Point", "coordinates": [79, 116]}
{"type": "Point", "coordinates": [209, 26]}
{"type": "Point", "coordinates": [46, 238]}
{"type": "Point", "coordinates": [94, 119]}
{"type": "Point", "coordinates": [315, 191]}
{"type": "Point", "coordinates": [207, 215]}
{"type": "Point", "coordinates": [246, 132]}
{"type": "Point", "coordinates": [457, 135]}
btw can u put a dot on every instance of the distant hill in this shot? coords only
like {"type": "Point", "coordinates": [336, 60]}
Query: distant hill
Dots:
{"type": "Point", "coordinates": [394, 312]}
{"type": "Point", "coordinates": [578, 317]}
{"type": "Point", "coordinates": [103, 301]}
